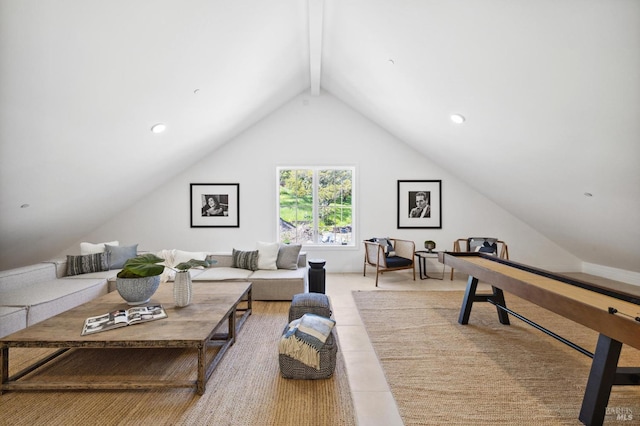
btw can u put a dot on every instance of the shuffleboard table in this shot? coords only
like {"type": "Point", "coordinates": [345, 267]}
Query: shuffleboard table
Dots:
{"type": "Point", "coordinates": [613, 313]}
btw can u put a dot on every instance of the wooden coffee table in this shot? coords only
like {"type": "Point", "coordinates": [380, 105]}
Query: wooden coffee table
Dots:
{"type": "Point", "coordinates": [199, 326]}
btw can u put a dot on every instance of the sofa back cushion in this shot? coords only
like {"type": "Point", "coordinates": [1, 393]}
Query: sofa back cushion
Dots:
{"type": "Point", "coordinates": [220, 260]}
{"type": "Point", "coordinates": [13, 279]}
{"type": "Point", "coordinates": [225, 259]}
{"type": "Point", "coordinates": [288, 256]}
{"type": "Point", "coordinates": [91, 248]}
{"type": "Point", "coordinates": [267, 255]}
{"type": "Point", "coordinates": [118, 255]}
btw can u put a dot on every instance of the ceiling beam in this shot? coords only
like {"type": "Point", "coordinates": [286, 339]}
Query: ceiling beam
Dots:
{"type": "Point", "coordinates": [316, 8]}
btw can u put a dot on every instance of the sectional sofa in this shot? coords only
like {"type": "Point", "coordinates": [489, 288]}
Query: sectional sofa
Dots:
{"type": "Point", "coordinates": [36, 292]}
{"type": "Point", "coordinates": [267, 284]}
{"type": "Point", "coordinates": [33, 293]}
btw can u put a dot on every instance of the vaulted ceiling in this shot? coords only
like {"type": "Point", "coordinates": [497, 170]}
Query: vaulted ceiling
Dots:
{"type": "Point", "coordinates": [550, 91]}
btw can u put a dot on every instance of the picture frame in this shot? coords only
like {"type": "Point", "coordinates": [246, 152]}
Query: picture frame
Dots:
{"type": "Point", "coordinates": [215, 205]}
{"type": "Point", "coordinates": [420, 204]}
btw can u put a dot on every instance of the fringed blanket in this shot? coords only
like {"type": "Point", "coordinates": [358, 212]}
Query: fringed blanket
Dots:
{"type": "Point", "coordinates": [305, 337]}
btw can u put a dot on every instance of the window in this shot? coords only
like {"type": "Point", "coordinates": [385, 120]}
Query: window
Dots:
{"type": "Point", "coordinates": [316, 205]}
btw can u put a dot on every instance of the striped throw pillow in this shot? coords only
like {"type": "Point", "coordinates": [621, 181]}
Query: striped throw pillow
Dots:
{"type": "Point", "coordinates": [245, 259]}
{"type": "Point", "coordinates": [88, 263]}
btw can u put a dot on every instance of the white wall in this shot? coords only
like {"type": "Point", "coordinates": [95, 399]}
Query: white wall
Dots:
{"type": "Point", "coordinates": [322, 131]}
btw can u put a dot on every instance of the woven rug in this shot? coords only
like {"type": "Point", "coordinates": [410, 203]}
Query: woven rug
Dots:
{"type": "Point", "coordinates": [440, 372]}
{"type": "Point", "coordinates": [245, 389]}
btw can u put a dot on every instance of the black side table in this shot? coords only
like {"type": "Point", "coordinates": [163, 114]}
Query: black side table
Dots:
{"type": "Point", "coordinates": [316, 275]}
{"type": "Point", "coordinates": [422, 256]}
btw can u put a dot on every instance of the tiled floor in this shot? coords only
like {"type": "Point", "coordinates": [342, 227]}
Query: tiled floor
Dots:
{"type": "Point", "coordinates": [372, 398]}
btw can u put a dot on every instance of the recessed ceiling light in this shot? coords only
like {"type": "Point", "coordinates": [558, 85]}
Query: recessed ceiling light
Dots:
{"type": "Point", "coordinates": [158, 128]}
{"type": "Point", "coordinates": [24, 206]}
{"type": "Point", "coordinates": [588, 194]}
{"type": "Point", "coordinates": [457, 118]}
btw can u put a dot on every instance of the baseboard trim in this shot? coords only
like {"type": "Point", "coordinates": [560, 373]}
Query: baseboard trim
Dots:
{"type": "Point", "coordinates": [616, 274]}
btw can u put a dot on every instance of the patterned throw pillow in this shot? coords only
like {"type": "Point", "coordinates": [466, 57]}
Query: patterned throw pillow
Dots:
{"type": "Point", "coordinates": [483, 245]}
{"type": "Point", "coordinates": [245, 259]}
{"type": "Point", "coordinates": [88, 263]}
{"type": "Point", "coordinates": [488, 248]}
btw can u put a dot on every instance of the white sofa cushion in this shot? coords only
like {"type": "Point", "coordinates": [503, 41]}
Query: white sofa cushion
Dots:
{"type": "Point", "coordinates": [91, 248]}
{"type": "Point", "coordinates": [279, 274]}
{"type": "Point", "coordinates": [194, 272]}
{"type": "Point", "coordinates": [47, 299]}
{"type": "Point", "coordinates": [267, 255]}
{"type": "Point", "coordinates": [15, 279]}
{"type": "Point", "coordinates": [223, 273]}
{"type": "Point", "coordinates": [173, 258]}
{"type": "Point", "coordinates": [107, 275]}
{"type": "Point", "coordinates": [220, 259]}
{"type": "Point", "coordinates": [180, 256]}
{"type": "Point", "coordinates": [167, 255]}
{"type": "Point", "coordinates": [12, 319]}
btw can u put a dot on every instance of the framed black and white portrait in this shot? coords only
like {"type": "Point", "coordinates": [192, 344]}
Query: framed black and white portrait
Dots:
{"type": "Point", "coordinates": [419, 204]}
{"type": "Point", "coordinates": [215, 205]}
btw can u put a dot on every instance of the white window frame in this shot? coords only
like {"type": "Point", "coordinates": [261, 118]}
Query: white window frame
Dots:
{"type": "Point", "coordinates": [315, 170]}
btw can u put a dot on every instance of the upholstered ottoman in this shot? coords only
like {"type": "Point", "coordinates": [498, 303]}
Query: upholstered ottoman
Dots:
{"type": "Point", "coordinates": [290, 368]}
{"type": "Point", "coordinates": [309, 303]}
{"type": "Point", "coordinates": [293, 369]}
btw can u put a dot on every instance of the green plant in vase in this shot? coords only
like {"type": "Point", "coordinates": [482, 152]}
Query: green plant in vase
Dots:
{"type": "Point", "coordinates": [140, 276]}
{"type": "Point", "coordinates": [182, 286]}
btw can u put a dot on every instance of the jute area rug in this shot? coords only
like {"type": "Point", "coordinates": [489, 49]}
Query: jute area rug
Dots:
{"type": "Point", "coordinates": [441, 372]}
{"type": "Point", "coordinates": [245, 389]}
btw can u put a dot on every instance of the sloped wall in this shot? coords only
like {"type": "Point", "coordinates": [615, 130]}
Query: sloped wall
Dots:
{"type": "Point", "coordinates": [322, 131]}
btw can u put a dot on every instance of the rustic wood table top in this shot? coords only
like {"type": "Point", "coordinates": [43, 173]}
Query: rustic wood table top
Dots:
{"type": "Point", "coordinates": [184, 326]}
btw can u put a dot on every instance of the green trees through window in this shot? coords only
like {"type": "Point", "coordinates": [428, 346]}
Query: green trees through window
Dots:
{"type": "Point", "coordinates": [315, 205]}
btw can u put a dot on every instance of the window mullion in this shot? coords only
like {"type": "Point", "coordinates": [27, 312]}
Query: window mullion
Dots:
{"type": "Point", "coordinates": [316, 220]}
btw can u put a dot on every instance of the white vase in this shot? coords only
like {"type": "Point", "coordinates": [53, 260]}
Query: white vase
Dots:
{"type": "Point", "coordinates": [182, 290]}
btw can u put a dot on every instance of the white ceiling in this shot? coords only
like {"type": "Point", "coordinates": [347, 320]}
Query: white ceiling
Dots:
{"type": "Point", "coordinates": [550, 90]}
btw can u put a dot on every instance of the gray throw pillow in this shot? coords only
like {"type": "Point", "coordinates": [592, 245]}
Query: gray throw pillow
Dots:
{"type": "Point", "coordinates": [245, 259]}
{"type": "Point", "coordinates": [87, 263]}
{"type": "Point", "coordinates": [118, 255]}
{"type": "Point", "coordinates": [288, 256]}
